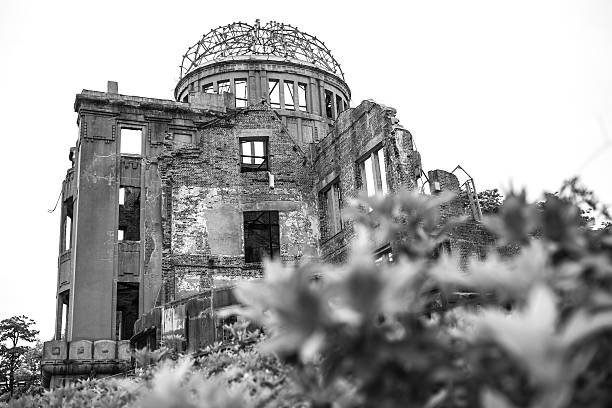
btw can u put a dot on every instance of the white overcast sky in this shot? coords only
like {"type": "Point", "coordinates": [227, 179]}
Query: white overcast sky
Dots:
{"type": "Point", "coordinates": [515, 91]}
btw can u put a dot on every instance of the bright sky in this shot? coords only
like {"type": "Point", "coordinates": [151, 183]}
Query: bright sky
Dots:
{"type": "Point", "coordinates": [515, 91]}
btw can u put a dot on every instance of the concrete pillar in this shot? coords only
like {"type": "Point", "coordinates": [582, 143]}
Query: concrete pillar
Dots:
{"type": "Point", "coordinates": [312, 97]}
{"type": "Point", "coordinates": [263, 76]}
{"type": "Point", "coordinates": [321, 92]}
{"type": "Point", "coordinates": [281, 84]}
{"type": "Point", "coordinates": [252, 83]}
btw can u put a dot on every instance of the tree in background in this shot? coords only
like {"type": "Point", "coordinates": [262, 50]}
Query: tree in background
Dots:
{"type": "Point", "coordinates": [14, 332]}
{"type": "Point", "coordinates": [490, 200]}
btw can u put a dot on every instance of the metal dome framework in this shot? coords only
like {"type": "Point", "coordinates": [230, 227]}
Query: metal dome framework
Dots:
{"type": "Point", "coordinates": [274, 38]}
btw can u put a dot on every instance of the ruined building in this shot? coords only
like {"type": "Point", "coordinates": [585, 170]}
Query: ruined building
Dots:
{"type": "Point", "coordinates": [168, 203]}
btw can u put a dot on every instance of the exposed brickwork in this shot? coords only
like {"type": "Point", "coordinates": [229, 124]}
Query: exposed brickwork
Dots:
{"type": "Point", "coordinates": [357, 132]}
{"type": "Point", "coordinates": [205, 191]}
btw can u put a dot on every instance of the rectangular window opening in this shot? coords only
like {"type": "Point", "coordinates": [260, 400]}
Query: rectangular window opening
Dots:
{"type": "Point", "coordinates": [127, 309]}
{"type": "Point", "coordinates": [338, 104]}
{"type": "Point", "coordinates": [129, 215]}
{"type": "Point", "coordinates": [208, 88]}
{"type": "Point", "coordinates": [261, 235]}
{"type": "Point", "coordinates": [373, 173]}
{"type": "Point", "coordinates": [67, 230]}
{"type": "Point", "coordinates": [223, 86]}
{"type": "Point", "coordinates": [289, 101]}
{"type": "Point", "coordinates": [274, 93]}
{"type": "Point", "coordinates": [241, 89]}
{"type": "Point", "coordinates": [64, 299]}
{"type": "Point", "coordinates": [329, 100]}
{"type": "Point", "coordinates": [302, 97]}
{"type": "Point", "coordinates": [131, 141]}
{"type": "Point", "coordinates": [331, 203]}
{"type": "Point", "coordinates": [253, 154]}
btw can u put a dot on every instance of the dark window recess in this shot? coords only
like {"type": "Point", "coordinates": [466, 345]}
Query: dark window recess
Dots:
{"type": "Point", "coordinates": [261, 235]}
{"type": "Point", "coordinates": [129, 214]}
{"type": "Point", "coordinates": [224, 332]}
{"type": "Point", "coordinates": [67, 225]}
{"type": "Point", "coordinates": [338, 105]}
{"type": "Point", "coordinates": [330, 202]}
{"type": "Point", "coordinates": [127, 309]}
{"type": "Point", "coordinates": [208, 88]}
{"type": "Point", "coordinates": [253, 154]}
{"type": "Point", "coordinates": [329, 100]}
{"type": "Point", "coordinates": [383, 255]}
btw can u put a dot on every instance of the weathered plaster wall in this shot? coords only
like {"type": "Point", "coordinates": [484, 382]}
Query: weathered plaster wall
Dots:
{"type": "Point", "coordinates": [205, 195]}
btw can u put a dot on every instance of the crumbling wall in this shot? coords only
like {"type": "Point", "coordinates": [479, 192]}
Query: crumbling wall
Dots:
{"type": "Point", "coordinates": [205, 193]}
{"type": "Point", "coordinates": [357, 132]}
{"type": "Point", "coordinates": [469, 238]}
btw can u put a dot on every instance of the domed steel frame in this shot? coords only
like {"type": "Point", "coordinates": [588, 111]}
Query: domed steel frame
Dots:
{"type": "Point", "coordinates": [274, 38]}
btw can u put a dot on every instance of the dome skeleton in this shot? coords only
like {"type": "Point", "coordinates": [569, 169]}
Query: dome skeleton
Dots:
{"type": "Point", "coordinates": [274, 38]}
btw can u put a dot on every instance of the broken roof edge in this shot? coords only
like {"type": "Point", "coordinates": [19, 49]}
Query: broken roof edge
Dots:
{"type": "Point", "coordinates": [99, 97]}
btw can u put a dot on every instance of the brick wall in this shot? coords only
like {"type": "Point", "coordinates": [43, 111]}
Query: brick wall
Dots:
{"type": "Point", "coordinates": [204, 195]}
{"type": "Point", "coordinates": [357, 132]}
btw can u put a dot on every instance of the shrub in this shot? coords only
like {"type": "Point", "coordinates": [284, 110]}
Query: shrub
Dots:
{"type": "Point", "coordinates": [530, 330]}
{"type": "Point", "coordinates": [537, 333]}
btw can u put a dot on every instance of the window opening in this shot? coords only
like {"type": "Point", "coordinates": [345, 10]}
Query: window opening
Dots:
{"type": "Point", "coordinates": [331, 201]}
{"type": "Point", "coordinates": [223, 86]}
{"type": "Point", "coordinates": [208, 88]}
{"type": "Point", "coordinates": [129, 215]}
{"type": "Point", "coordinates": [67, 230]}
{"type": "Point", "coordinates": [127, 309]}
{"type": "Point", "coordinates": [373, 173]}
{"type": "Point", "coordinates": [329, 98]}
{"type": "Point", "coordinates": [289, 101]}
{"type": "Point", "coordinates": [131, 141]}
{"type": "Point", "coordinates": [63, 301]}
{"type": "Point", "coordinates": [241, 89]}
{"type": "Point", "coordinates": [302, 97]}
{"type": "Point", "coordinates": [383, 255]}
{"type": "Point", "coordinates": [261, 235]}
{"type": "Point", "coordinates": [253, 154]}
{"type": "Point", "coordinates": [274, 93]}
{"type": "Point", "coordinates": [338, 104]}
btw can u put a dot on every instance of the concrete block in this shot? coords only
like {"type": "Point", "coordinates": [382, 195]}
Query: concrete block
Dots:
{"type": "Point", "coordinates": [124, 351]}
{"type": "Point", "coordinates": [55, 350]}
{"type": "Point", "coordinates": [80, 350]}
{"type": "Point", "coordinates": [105, 349]}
